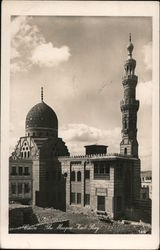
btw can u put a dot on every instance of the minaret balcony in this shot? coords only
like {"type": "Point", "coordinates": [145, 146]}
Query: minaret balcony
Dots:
{"type": "Point", "coordinates": [131, 132]}
{"type": "Point", "coordinates": [124, 131]}
{"type": "Point", "coordinates": [127, 79]}
{"type": "Point", "coordinates": [129, 103]}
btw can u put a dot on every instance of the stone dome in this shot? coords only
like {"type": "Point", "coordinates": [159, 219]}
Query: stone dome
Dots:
{"type": "Point", "coordinates": [41, 118]}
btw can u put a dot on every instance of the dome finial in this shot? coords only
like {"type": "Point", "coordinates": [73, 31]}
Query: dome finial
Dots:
{"type": "Point", "coordinates": [130, 37]}
{"type": "Point", "coordinates": [41, 94]}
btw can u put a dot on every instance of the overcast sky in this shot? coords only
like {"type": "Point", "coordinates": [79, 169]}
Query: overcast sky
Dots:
{"type": "Point", "coordinates": [79, 62]}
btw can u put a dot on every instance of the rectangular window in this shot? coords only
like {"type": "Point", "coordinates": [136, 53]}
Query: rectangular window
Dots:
{"type": "Point", "coordinates": [26, 188]}
{"type": "Point", "coordinates": [20, 170]}
{"type": "Point", "coordinates": [101, 203]}
{"type": "Point", "coordinates": [102, 170]}
{"type": "Point", "coordinates": [87, 199]}
{"type": "Point", "coordinates": [96, 169]}
{"type": "Point", "coordinates": [78, 198]}
{"type": "Point", "coordinates": [19, 188]}
{"type": "Point", "coordinates": [13, 188]}
{"type": "Point", "coordinates": [73, 198]}
{"type": "Point", "coordinates": [26, 171]}
{"type": "Point", "coordinates": [106, 169]}
{"type": "Point", "coordinates": [13, 172]}
{"type": "Point", "coordinates": [87, 174]}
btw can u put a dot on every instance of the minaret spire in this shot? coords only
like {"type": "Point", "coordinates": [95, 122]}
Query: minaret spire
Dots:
{"type": "Point", "coordinates": [130, 37]}
{"type": "Point", "coordinates": [41, 94]}
{"type": "Point", "coordinates": [130, 47]}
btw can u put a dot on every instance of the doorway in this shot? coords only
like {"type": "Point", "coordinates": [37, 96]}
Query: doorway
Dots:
{"type": "Point", "coordinates": [101, 203]}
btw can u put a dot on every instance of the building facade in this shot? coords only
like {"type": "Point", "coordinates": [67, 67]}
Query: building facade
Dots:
{"type": "Point", "coordinates": [146, 184]}
{"type": "Point", "coordinates": [34, 169]}
{"type": "Point", "coordinates": [43, 173]}
{"type": "Point", "coordinates": [106, 183]}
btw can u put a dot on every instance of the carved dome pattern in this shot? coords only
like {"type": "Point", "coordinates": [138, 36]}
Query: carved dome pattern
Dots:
{"type": "Point", "coordinates": [41, 116]}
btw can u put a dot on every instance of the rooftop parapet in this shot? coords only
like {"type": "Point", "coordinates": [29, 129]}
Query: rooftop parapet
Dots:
{"type": "Point", "coordinates": [94, 156]}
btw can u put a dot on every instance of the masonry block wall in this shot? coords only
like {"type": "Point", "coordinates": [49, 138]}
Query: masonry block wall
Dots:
{"type": "Point", "coordinates": [36, 185]}
{"type": "Point", "coordinates": [103, 188]}
{"type": "Point", "coordinates": [136, 178]}
{"type": "Point", "coordinates": [126, 185]}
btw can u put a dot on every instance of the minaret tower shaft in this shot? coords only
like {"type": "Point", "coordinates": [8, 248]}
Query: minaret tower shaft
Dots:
{"type": "Point", "coordinates": [129, 107]}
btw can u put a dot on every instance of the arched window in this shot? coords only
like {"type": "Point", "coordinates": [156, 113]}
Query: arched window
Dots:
{"type": "Point", "coordinates": [78, 176]}
{"type": "Point", "coordinates": [72, 176]}
{"type": "Point", "coordinates": [24, 154]}
{"type": "Point", "coordinates": [125, 151]}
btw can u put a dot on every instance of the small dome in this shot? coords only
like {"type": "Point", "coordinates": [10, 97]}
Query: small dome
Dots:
{"type": "Point", "coordinates": [41, 116]}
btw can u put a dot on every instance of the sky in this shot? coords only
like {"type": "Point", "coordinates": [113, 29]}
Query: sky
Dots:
{"type": "Point", "coordinates": [79, 61]}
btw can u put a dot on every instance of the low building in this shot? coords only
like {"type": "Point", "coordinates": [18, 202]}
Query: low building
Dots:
{"type": "Point", "coordinates": [146, 183]}
{"type": "Point", "coordinates": [106, 183]}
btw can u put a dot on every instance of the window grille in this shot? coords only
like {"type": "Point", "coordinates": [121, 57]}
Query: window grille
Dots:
{"type": "Point", "coordinates": [78, 176]}
{"type": "Point", "coordinates": [73, 176]}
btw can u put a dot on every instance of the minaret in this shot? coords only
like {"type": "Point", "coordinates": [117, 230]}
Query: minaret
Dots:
{"type": "Point", "coordinates": [129, 107]}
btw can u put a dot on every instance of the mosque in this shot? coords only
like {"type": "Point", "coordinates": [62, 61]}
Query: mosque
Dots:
{"type": "Point", "coordinates": [42, 172]}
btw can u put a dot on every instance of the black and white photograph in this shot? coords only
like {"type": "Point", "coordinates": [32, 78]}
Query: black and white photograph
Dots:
{"type": "Point", "coordinates": [81, 102]}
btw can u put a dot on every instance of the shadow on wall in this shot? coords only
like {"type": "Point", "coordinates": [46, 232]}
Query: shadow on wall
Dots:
{"type": "Point", "coordinates": [54, 194]}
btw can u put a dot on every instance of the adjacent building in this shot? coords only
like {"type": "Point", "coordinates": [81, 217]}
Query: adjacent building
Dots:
{"type": "Point", "coordinates": [146, 183]}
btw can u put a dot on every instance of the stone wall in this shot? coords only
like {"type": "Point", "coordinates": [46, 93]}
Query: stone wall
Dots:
{"type": "Point", "coordinates": [99, 186]}
{"type": "Point", "coordinates": [20, 215]}
{"type": "Point", "coordinates": [141, 210]}
{"type": "Point", "coordinates": [35, 173]}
